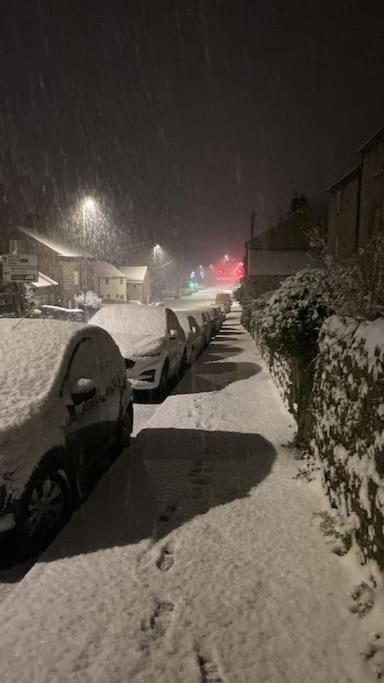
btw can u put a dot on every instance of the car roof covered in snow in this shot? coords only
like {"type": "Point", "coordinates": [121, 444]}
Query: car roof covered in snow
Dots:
{"type": "Point", "coordinates": [31, 355]}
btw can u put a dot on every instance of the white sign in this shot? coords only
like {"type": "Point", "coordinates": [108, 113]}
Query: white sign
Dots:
{"type": "Point", "coordinates": [20, 268]}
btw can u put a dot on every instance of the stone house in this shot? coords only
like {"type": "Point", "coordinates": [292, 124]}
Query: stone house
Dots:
{"type": "Point", "coordinates": [67, 266]}
{"type": "Point", "coordinates": [109, 282]}
{"type": "Point", "coordinates": [344, 214]}
{"type": "Point", "coordinates": [279, 251]}
{"type": "Point", "coordinates": [138, 285]}
{"type": "Point", "coordinates": [356, 201]}
{"type": "Point", "coordinates": [372, 187]}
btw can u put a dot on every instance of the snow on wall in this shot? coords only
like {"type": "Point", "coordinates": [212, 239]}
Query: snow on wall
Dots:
{"type": "Point", "coordinates": [348, 405]}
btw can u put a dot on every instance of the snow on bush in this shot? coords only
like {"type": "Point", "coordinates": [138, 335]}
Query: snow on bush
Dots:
{"type": "Point", "coordinates": [88, 298]}
{"type": "Point", "coordinates": [348, 439]}
{"type": "Point", "coordinates": [294, 314]}
{"type": "Point", "coordinates": [287, 331]}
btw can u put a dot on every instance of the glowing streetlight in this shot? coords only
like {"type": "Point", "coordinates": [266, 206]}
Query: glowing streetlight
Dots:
{"type": "Point", "coordinates": [226, 257]}
{"type": "Point", "coordinates": [88, 207]}
{"type": "Point", "coordinates": [156, 250]}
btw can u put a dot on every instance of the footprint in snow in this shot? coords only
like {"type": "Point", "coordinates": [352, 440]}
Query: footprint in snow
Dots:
{"type": "Point", "coordinates": [363, 598]}
{"type": "Point", "coordinates": [209, 671]}
{"type": "Point", "coordinates": [168, 513]}
{"type": "Point", "coordinates": [374, 655]}
{"type": "Point", "coordinates": [160, 620]}
{"type": "Point", "coordinates": [166, 559]}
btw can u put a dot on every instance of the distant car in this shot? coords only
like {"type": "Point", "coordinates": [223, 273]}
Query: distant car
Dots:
{"type": "Point", "coordinates": [214, 324]}
{"type": "Point", "coordinates": [65, 404]}
{"type": "Point", "coordinates": [219, 317]}
{"type": "Point", "coordinates": [193, 334]}
{"type": "Point", "coordinates": [150, 339]}
{"type": "Point", "coordinates": [204, 322]}
{"type": "Point", "coordinates": [223, 299]}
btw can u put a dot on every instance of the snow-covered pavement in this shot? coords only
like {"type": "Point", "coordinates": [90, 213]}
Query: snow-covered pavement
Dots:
{"type": "Point", "coordinates": [196, 558]}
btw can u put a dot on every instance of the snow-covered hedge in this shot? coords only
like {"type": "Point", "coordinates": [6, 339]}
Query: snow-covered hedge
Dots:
{"type": "Point", "coordinates": [286, 330]}
{"type": "Point", "coordinates": [348, 407]}
{"type": "Point", "coordinates": [294, 314]}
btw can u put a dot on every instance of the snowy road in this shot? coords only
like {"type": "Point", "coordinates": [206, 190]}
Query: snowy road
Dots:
{"type": "Point", "coordinates": [195, 559]}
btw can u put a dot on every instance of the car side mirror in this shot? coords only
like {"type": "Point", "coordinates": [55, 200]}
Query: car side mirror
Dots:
{"type": "Point", "coordinates": [173, 334]}
{"type": "Point", "coordinates": [83, 390]}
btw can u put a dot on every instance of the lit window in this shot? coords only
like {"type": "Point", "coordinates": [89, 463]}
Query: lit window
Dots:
{"type": "Point", "coordinates": [76, 277]}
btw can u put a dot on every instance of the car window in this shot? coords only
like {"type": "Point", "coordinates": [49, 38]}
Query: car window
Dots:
{"type": "Point", "coordinates": [83, 364]}
{"type": "Point", "coordinates": [172, 321]}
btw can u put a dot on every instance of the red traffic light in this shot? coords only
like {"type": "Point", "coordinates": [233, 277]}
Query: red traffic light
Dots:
{"type": "Point", "coordinates": [220, 271]}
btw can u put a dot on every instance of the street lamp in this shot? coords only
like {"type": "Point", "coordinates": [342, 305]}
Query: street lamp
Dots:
{"type": "Point", "coordinates": [156, 250]}
{"type": "Point", "coordinates": [88, 207]}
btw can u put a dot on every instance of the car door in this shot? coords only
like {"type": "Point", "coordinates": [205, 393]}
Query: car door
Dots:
{"type": "Point", "coordinates": [86, 403]}
{"type": "Point", "coordinates": [112, 377]}
{"type": "Point", "coordinates": [176, 341]}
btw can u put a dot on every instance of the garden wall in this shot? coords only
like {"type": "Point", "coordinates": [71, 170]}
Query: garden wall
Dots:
{"type": "Point", "coordinates": [348, 440]}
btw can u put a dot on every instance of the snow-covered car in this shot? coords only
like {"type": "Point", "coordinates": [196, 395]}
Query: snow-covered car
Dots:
{"type": "Point", "coordinates": [223, 299]}
{"type": "Point", "coordinates": [204, 322]}
{"type": "Point", "coordinates": [193, 334]}
{"type": "Point", "coordinates": [213, 321]}
{"type": "Point", "coordinates": [65, 404]}
{"type": "Point", "coordinates": [150, 339]}
{"type": "Point", "coordinates": [219, 317]}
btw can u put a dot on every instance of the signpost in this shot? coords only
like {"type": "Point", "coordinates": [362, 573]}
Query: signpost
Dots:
{"type": "Point", "coordinates": [20, 268]}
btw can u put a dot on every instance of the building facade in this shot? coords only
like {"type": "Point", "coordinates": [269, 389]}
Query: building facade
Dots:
{"type": "Point", "coordinates": [356, 201]}
{"type": "Point", "coordinates": [138, 287]}
{"type": "Point", "coordinates": [280, 251]}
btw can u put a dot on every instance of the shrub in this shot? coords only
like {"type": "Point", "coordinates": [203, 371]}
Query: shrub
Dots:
{"type": "Point", "coordinates": [294, 314]}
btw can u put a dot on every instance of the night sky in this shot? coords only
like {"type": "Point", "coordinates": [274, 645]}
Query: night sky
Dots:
{"type": "Point", "coordinates": [182, 116]}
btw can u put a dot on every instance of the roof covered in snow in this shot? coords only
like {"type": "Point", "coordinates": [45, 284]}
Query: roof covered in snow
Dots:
{"type": "Point", "coordinates": [61, 249]}
{"type": "Point", "coordinates": [105, 269]}
{"type": "Point", "coordinates": [134, 273]}
{"type": "Point", "coordinates": [44, 281]}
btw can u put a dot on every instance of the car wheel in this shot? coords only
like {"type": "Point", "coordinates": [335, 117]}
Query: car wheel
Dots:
{"type": "Point", "coordinates": [126, 427]}
{"type": "Point", "coordinates": [44, 507]}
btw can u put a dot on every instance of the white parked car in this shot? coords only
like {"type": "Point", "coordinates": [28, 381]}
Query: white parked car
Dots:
{"type": "Point", "coordinates": [65, 404]}
{"type": "Point", "coordinates": [150, 339]}
{"type": "Point", "coordinates": [193, 334]}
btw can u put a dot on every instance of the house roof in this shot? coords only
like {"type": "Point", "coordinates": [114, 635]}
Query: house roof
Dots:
{"type": "Point", "coordinates": [105, 269]}
{"type": "Point", "coordinates": [52, 243]}
{"type": "Point", "coordinates": [370, 140]}
{"type": "Point", "coordinates": [134, 273]}
{"type": "Point", "coordinates": [44, 281]}
{"type": "Point", "coordinates": [345, 178]}
{"type": "Point", "coordinates": [282, 262]}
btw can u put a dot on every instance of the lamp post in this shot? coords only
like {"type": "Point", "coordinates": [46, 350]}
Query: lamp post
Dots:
{"type": "Point", "coordinates": [156, 250]}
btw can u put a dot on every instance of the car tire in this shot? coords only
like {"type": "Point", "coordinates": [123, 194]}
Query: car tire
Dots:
{"type": "Point", "coordinates": [126, 427]}
{"type": "Point", "coordinates": [45, 506]}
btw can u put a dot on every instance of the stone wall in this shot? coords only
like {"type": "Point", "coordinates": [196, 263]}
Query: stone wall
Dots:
{"type": "Point", "coordinates": [348, 408]}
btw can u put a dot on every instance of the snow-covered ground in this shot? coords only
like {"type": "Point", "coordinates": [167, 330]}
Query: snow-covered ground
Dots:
{"type": "Point", "coordinates": [196, 558]}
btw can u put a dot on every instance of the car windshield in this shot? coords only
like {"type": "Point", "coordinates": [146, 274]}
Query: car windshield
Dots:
{"type": "Point", "coordinates": [133, 319]}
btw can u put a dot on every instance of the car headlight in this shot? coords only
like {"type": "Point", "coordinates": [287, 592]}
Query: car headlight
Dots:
{"type": "Point", "coordinates": [148, 354]}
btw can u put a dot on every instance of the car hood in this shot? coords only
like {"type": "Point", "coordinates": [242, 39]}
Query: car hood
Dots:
{"type": "Point", "coordinates": [138, 345]}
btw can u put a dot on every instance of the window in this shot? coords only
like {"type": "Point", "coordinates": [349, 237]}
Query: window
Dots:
{"type": "Point", "coordinates": [76, 277]}
{"type": "Point", "coordinates": [107, 280]}
{"type": "Point", "coordinates": [121, 296]}
{"type": "Point", "coordinates": [121, 280]}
